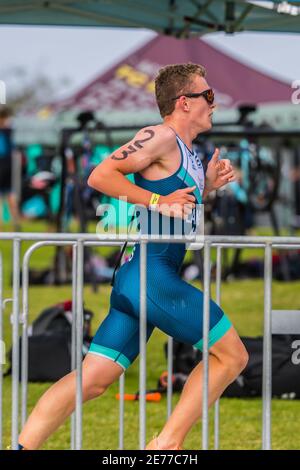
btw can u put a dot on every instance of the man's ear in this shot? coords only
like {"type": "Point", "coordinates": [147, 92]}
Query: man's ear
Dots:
{"type": "Point", "coordinates": [185, 104]}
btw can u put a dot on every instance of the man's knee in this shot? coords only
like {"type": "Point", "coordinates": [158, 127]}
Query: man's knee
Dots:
{"type": "Point", "coordinates": [98, 374]}
{"type": "Point", "coordinates": [93, 389]}
{"type": "Point", "coordinates": [235, 361]}
{"type": "Point", "coordinates": [232, 353]}
{"type": "Point", "coordinates": [238, 359]}
{"type": "Point", "coordinates": [93, 385]}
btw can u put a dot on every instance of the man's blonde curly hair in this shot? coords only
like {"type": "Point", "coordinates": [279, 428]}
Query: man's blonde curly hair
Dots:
{"type": "Point", "coordinates": [173, 80]}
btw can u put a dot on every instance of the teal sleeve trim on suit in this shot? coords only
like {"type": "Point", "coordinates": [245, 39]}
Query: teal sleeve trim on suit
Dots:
{"type": "Point", "coordinates": [216, 333]}
{"type": "Point", "coordinates": [110, 354]}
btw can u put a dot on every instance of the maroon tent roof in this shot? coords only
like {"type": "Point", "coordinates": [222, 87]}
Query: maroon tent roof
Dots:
{"type": "Point", "coordinates": [129, 84]}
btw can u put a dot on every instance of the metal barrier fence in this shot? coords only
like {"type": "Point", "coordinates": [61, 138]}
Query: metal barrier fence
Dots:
{"type": "Point", "coordinates": [78, 241]}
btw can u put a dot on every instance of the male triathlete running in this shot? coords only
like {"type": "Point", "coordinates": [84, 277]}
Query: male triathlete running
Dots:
{"type": "Point", "coordinates": [170, 179]}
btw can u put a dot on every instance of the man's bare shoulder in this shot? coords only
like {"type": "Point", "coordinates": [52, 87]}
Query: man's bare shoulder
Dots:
{"type": "Point", "coordinates": [162, 137]}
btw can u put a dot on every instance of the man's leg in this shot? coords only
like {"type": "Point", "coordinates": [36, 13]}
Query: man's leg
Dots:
{"type": "Point", "coordinates": [227, 358]}
{"type": "Point", "coordinates": [59, 401]}
{"type": "Point", "coordinates": [1, 212]}
{"type": "Point", "coordinates": [14, 210]}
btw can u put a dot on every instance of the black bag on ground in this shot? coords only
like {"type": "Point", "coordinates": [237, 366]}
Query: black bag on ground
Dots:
{"type": "Point", "coordinates": [49, 343]}
{"type": "Point", "coordinates": [285, 367]}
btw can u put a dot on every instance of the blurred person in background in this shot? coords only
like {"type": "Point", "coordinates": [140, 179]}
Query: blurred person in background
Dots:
{"type": "Point", "coordinates": [6, 154]}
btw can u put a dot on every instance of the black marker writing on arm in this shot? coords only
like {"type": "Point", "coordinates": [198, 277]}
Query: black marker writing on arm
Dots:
{"type": "Point", "coordinates": [137, 144]}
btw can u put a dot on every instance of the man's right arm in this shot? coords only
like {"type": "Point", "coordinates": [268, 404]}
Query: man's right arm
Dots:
{"type": "Point", "coordinates": [145, 148]}
{"type": "Point", "coordinates": [148, 146]}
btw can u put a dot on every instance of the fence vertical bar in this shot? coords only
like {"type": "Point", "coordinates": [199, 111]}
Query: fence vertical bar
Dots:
{"type": "Point", "coordinates": [143, 332]}
{"type": "Point", "coordinates": [218, 301]}
{"type": "Point", "coordinates": [122, 397]}
{"type": "Point", "coordinates": [73, 333]}
{"type": "Point", "coordinates": [15, 344]}
{"type": "Point", "coordinates": [25, 316]}
{"type": "Point", "coordinates": [206, 306]}
{"type": "Point", "coordinates": [79, 340]}
{"type": "Point", "coordinates": [2, 350]}
{"type": "Point", "coordinates": [24, 355]}
{"type": "Point", "coordinates": [121, 410]}
{"type": "Point", "coordinates": [267, 350]}
{"type": "Point", "coordinates": [170, 376]}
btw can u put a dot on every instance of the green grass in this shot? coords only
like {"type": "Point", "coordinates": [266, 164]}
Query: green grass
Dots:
{"type": "Point", "coordinates": [240, 419]}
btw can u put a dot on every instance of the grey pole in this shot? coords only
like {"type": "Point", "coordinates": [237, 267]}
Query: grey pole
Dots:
{"type": "Point", "coordinates": [79, 325]}
{"type": "Point", "coordinates": [73, 343]}
{"type": "Point", "coordinates": [143, 332]}
{"type": "Point", "coordinates": [121, 410]}
{"type": "Point", "coordinates": [218, 301]}
{"type": "Point", "coordinates": [206, 306]}
{"type": "Point", "coordinates": [122, 399]}
{"type": "Point", "coordinates": [170, 375]}
{"type": "Point", "coordinates": [103, 239]}
{"type": "Point", "coordinates": [25, 316]}
{"type": "Point", "coordinates": [24, 355]}
{"type": "Point", "coordinates": [267, 350]}
{"type": "Point", "coordinates": [15, 343]}
{"type": "Point", "coordinates": [2, 349]}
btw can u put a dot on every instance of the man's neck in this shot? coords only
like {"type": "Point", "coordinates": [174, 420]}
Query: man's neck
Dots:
{"type": "Point", "coordinates": [185, 132]}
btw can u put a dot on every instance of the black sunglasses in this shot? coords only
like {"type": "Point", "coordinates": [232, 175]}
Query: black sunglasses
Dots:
{"type": "Point", "coordinates": [207, 94]}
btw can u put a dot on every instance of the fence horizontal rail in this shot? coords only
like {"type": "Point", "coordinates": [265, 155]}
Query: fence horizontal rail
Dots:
{"type": "Point", "coordinates": [213, 239]}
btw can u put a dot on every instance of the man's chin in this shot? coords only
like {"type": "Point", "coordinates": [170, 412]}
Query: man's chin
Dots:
{"type": "Point", "coordinates": [209, 126]}
{"type": "Point", "coordinates": [206, 127]}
